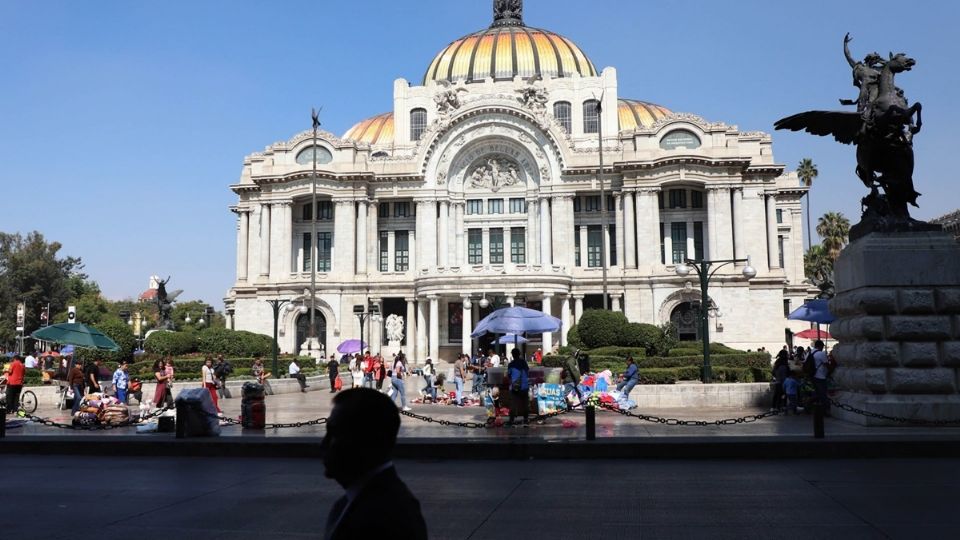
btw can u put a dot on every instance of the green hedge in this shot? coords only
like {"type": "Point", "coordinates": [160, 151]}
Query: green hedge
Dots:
{"type": "Point", "coordinates": [744, 367]}
{"type": "Point", "coordinates": [620, 352]}
{"type": "Point", "coordinates": [170, 343]}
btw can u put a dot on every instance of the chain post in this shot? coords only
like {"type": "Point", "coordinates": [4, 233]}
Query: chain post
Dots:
{"type": "Point", "coordinates": [591, 420]}
{"type": "Point", "coordinates": [818, 420]}
{"type": "Point", "coordinates": [181, 419]}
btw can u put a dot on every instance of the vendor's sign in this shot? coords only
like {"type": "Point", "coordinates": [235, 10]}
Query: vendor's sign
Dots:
{"type": "Point", "coordinates": [550, 398]}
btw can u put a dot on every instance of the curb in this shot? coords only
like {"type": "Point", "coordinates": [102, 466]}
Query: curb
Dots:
{"type": "Point", "coordinates": [500, 449]}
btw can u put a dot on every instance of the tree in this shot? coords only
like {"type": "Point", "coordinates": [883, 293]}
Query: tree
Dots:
{"type": "Point", "coordinates": [818, 267]}
{"type": "Point", "coordinates": [834, 230]}
{"type": "Point", "coordinates": [807, 171]}
{"type": "Point", "coordinates": [195, 309]}
{"type": "Point", "coordinates": [33, 272]}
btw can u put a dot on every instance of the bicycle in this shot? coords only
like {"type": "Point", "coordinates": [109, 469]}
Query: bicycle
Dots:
{"type": "Point", "coordinates": [28, 400]}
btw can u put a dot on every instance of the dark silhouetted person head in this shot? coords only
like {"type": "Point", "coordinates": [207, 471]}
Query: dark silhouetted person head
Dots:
{"type": "Point", "coordinates": [818, 345]}
{"type": "Point", "coordinates": [361, 433]}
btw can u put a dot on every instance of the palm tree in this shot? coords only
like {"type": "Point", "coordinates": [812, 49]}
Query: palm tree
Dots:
{"type": "Point", "coordinates": [818, 268]}
{"type": "Point", "coordinates": [807, 171]}
{"type": "Point", "coordinates": [834, 230]}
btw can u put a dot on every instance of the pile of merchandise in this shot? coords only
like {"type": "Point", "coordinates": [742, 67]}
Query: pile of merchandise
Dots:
{"type": "Point", "coordinates": [98, 408]}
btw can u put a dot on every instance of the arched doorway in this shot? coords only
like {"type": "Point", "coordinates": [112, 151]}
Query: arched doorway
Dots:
{"type": "Point", "coordinates": [303, 327]}
{"type": "Point", "coordinates": [686, 319]}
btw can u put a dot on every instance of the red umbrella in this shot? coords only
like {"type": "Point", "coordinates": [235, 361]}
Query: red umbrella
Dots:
{"type": "Point", "coordinates": [812, 333]}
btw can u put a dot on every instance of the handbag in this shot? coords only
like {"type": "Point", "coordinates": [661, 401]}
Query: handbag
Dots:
{"type": "Point", "coordinates": [338, 383]}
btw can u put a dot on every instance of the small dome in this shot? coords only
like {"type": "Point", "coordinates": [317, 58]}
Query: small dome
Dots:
{"type": "Point", "coordinates": [503, 52]}
{"type": "Point", "coordinates": [374, 130]}
{"type": "Point", "coordinates": [634, 114]}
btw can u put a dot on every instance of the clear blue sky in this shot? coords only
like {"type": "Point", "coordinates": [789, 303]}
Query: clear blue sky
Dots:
{"type": "Point", "coordinates": [122, 123]}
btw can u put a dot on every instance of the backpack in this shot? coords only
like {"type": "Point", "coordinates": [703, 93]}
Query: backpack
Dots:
{"type": "Point", "coordinates": [810, 366]}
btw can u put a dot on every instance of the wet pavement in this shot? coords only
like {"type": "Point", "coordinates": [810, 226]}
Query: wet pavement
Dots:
{"type": "Point", "coordinates": [255, 499]}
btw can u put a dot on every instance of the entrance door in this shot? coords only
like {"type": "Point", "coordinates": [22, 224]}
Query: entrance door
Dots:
{"type": "Point", "coordinates": [303, 327]}
{"type": "Point", "coordinates": [686, 320]}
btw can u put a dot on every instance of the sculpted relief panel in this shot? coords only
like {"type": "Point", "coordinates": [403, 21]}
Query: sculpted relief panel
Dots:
{"type": "Point", "coordinates": [494, 174]}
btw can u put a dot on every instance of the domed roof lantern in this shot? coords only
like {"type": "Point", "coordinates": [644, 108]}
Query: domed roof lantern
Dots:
{"type": "Point", "coordinates": [507, 13]}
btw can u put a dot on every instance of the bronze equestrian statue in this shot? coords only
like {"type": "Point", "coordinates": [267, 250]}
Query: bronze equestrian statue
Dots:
{"type": "Point", "coordinates": [883, 130]}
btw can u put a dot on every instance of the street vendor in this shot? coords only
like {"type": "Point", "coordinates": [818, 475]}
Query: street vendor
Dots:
{"type": "Point", "coordinates": [519, 373]}
{"type": "Point", "coordinates": [629, 378]}
{"type": "Point", "coordinates": [121, 381]}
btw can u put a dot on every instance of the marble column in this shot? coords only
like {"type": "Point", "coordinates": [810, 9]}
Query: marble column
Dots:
{"type": "Point", "coordinates": [507, 351]}
{"type": "Point", "coordinates": [264, 240]}
{"type": "Point", "coordinates": [557, 241]}
{"type": "Point", "coordinates": [434, 328]}
{"type": "Point", "coordinates": [427, 234]}
{"type": "Point", "coordinates": [344, 239]}
{"type": "Point", "coordinates": [648, 228]}
{"type": "Point", "coordinates": [618, 203]}
{"type": "Point", "coordinates": [461, 235]}
{"type": "Point", "coordinates": [565, 320]}
{"type": "Point", "coordinates": [710, 237]}
{"type": "Point", "coordinates": [443, 233]}
{"type": "Point", "coordinates": [411, 329]}
{"type": "Point", "coordinates": [582, 231]}
{"type": "Point", "coordinates": [629, 231]}
{"type": "Point", "coordinates": [577, 307]}
{"type": "Point", "coordinates": [691, 245]}
{"type": "Point", "coordinates": [373, 237]}
{"type": "Point", "coordinates": [547, 336]}
{"type": "Point", "coordinates": [667, 243]}
{"type": "Point", "coordinates": [421, 330]}
{"type": "Point", "coordinates": [243, 243]}
{"type": "Point", "coordinates": [546, 238]}
{"type": "Point", "coordinates": [739, 242]}
{"type": "Point", "coordinates": [615, 302]}
{"type": "Point", "coordinates": [724, 224]}
{"type": "Point", "coordinates": [467, 328]}
{"type": "Point", "coordinates": [277, 252]}
{"type": "Point", "coordinates": [412, 250]}
{"type": "Point", "coordinates": [773, 254]}
{"type": "Point", "coordinates": [506, 245]}
{"type": "Point", "coordinates": [485, 245]}
{"type": "Point", "coordinates": [608, 245]}
{"type": "Point", "coordinates": [533, 244]}
{"type": "Point", "coordinates": [362, 209]}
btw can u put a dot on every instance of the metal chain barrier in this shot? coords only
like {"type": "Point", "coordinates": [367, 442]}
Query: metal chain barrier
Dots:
{"type": "Point", "coordinates": [489, 423]}
{"type": "Point", "coordinates": [900, 419]}
{"type": "Point", "coordinates": [94, 427]}
{"type": "Point", "coordinates": [680, 422]}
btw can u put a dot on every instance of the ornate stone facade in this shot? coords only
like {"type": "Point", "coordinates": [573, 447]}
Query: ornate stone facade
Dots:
{"type": "Point", "coordinates": [477, 186]}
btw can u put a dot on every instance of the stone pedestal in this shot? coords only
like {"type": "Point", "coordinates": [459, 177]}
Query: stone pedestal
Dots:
{"type": "Point", "coordinates": [311, 348]}
{"type": "Point", "coordinates": [898, 327]}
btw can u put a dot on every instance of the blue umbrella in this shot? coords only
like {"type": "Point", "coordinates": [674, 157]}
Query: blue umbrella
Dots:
{"type": "Point", "coordinates": [516, 320]}
{"type": "Point", "coordinates": [507, 339]}
{"type": "Point", "coordinates": [813, 311]}
{"type": "Point", "coordinates": [67, 349]}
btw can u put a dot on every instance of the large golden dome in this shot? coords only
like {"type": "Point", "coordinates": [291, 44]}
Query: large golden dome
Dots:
{"type": "Point", "coordinates": [633, 113]}
{"type": "Point", "coordinates": [507, 49]}
{"type": "Point", "coordinates": [374, 130]}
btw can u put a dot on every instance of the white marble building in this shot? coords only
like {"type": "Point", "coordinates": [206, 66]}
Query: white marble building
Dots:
{"type": "Point", "coordinates": [481, 182]}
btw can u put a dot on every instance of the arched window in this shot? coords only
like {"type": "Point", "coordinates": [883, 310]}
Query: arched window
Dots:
{"type": "Point", "coordinates": [591, 116]}
{"type": "Point", "coordinates": [380, 154]}
{"type": "Point", "coordinates": [306, 156]}
{"type": "Point", "coordinates": [561, 111]}
{"type": "Point", "coordinates": [418, 123]}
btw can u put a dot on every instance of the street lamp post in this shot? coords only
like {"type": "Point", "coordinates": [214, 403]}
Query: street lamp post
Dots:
{"type": "Point", "coordinates": [276, 304]}
{"type": "Point", "coordinates": [704, 272]}
{"type": "Point", "coordinates": [371, 311]}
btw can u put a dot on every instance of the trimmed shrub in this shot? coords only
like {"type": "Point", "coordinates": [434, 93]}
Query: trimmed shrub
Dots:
{"type": "Point", "coordinates": [573, 337]}
{"type": "Point", "coordinates": [622, 352]}
{"type": "Point", "coordinates": [744, 367]}
{"type": "Point", "coordinates": [599, 328]}
{"type": "Point", "coordinates": [233, 343]}
{"type": "Point", "coordinates": [170, 343]}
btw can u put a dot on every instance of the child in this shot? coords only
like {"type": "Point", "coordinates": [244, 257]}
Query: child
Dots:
{"type": "Point", "coordinates": [791, 387]}
{"type": "Point", "coordinates": [168, 371]}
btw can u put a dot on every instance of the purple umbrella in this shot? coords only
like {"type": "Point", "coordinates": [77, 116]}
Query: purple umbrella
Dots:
{"type": "Point", "coordinates": [351, 346]}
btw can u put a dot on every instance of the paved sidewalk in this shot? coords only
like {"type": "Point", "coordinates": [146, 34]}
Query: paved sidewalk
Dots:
{"type": "Point", "coordinates": [256, 499]}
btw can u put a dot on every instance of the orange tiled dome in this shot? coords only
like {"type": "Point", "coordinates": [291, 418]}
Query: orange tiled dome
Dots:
{"type": "Point", "coordinates": [374, 130]}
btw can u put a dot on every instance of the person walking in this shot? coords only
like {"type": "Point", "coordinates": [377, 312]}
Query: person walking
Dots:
{"type": "Point", "coordinates": [91, 376]}
{"type": "Point", "coordinates": [209, 381]}
{"type": "Point", "coordinates": [781, 368]}
{"type": "Point", "coordinates": [121, 381]}
{"type": "Point", "coordinates": [791, 387]}
{"type": "Point", "coordinates": [629, 378]}
{"type": "Point", "coordinates": [367, 370]}
{"type": "Point", "coordinates": [357, 450]}
{"type": "Point", "coordinates": [14, 373]}
{"type": "Point", "coordinates": [222, 369]}
{"type": "Point", "coordinates": [75, 380]}
{"type": "Point", "coordinates": [428, 373]}
{"type": "Point", "coordinates": [294, 372]}
{"type": "Point", "coordinates": [356, 371]}
{"type": "Point", "coordinates": [399, 373]}
{"type": "Point", "coordinates": [821, 363]}
{"type": "Point", "coordinates": [162, 394]}
{"type": "Point", "coordinates": [518, 371]}
{"type": "Point", "coordinates": [333, 370]}
{"type": "Point", "coordinates": [379, 372]}
{"type": "Point", "coordinates": [459, 374]}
